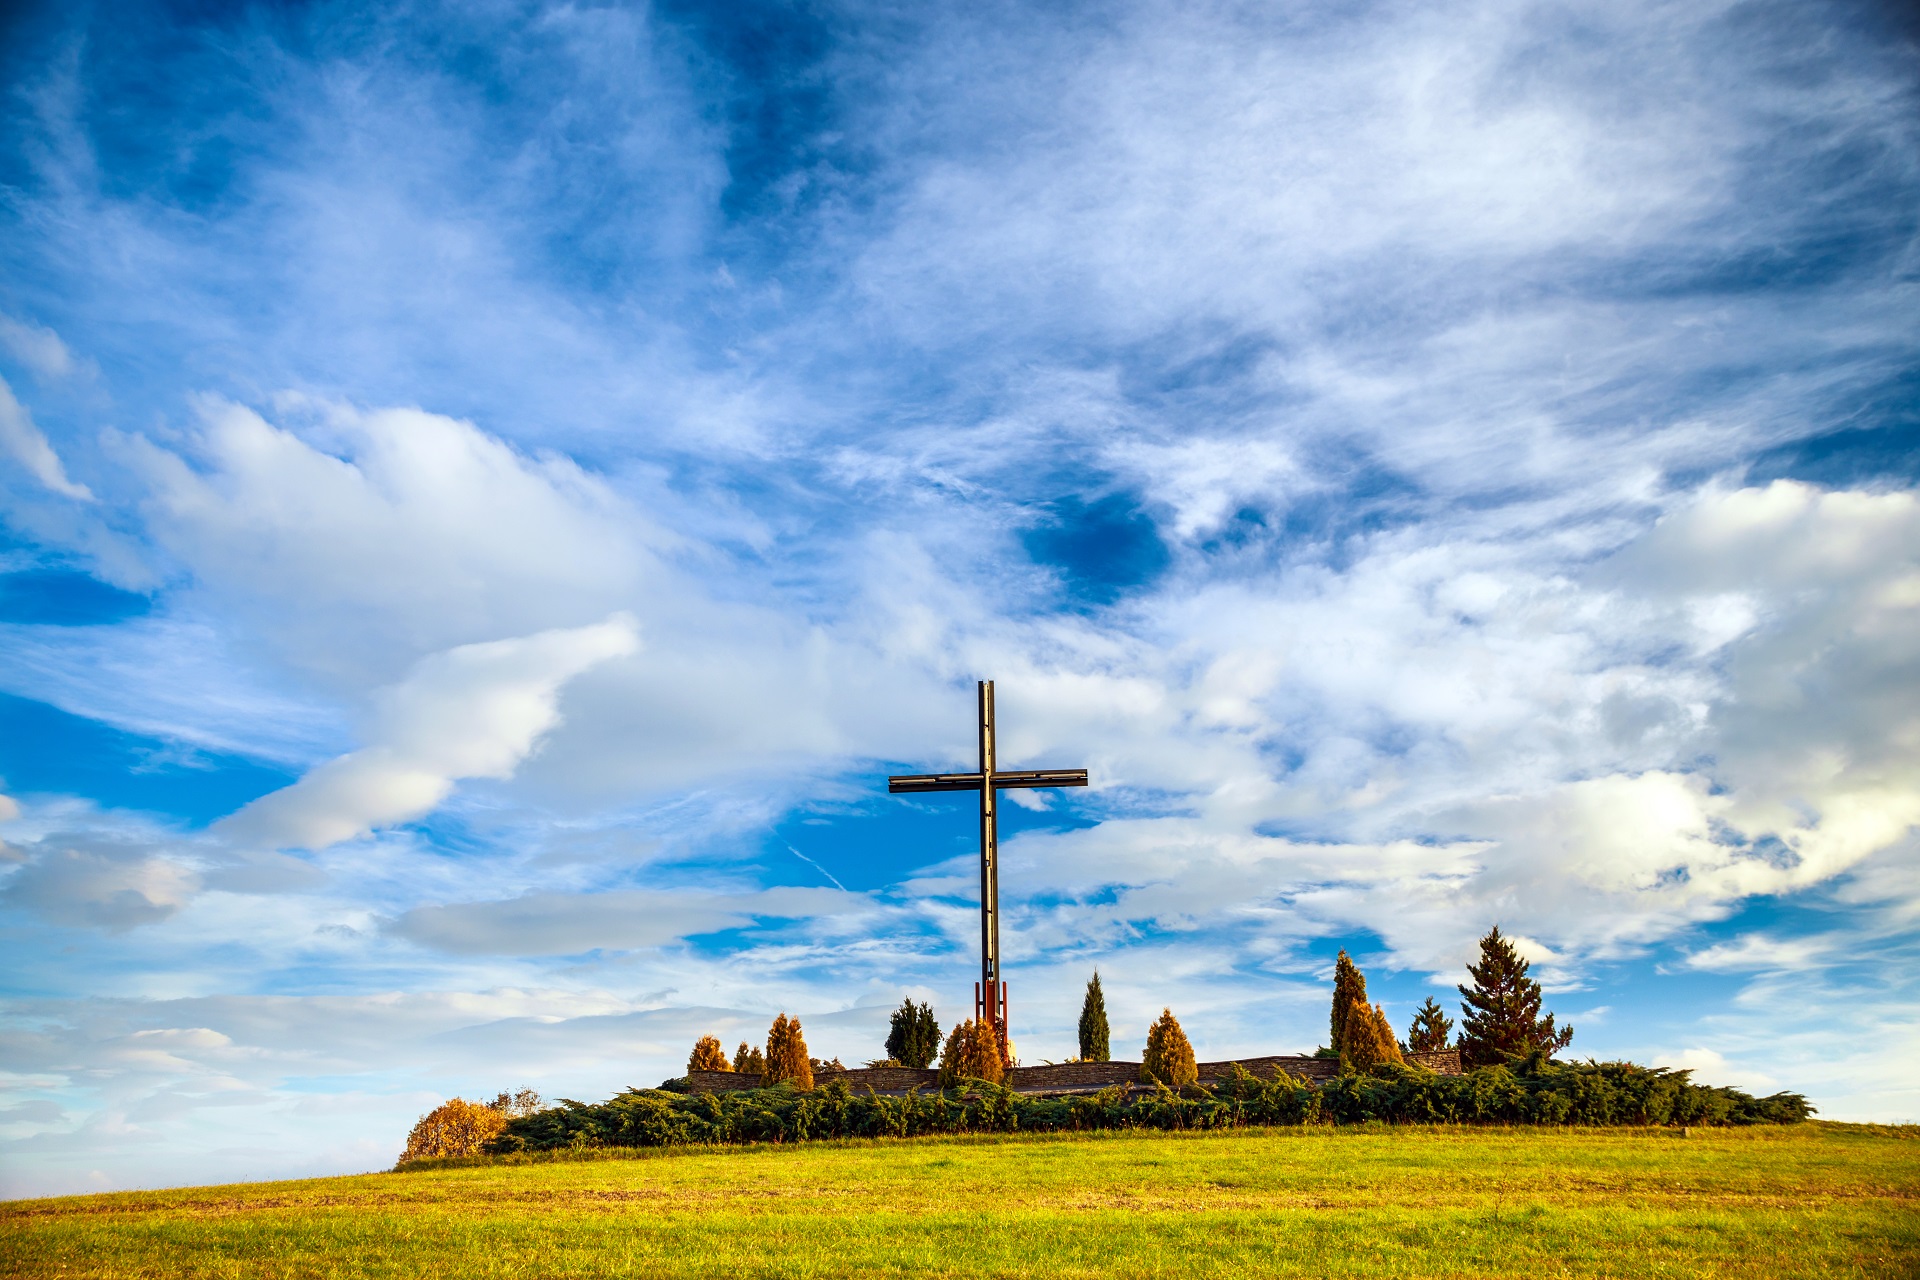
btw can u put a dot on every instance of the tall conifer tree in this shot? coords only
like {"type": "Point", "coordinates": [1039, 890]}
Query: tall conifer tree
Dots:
{"type": "Point", "coordinates": [1349, 989]}
{"type": "Point", "coordinates": [1502, 1021]}
{"type": "Point", "coordinates": [1093, 1024]}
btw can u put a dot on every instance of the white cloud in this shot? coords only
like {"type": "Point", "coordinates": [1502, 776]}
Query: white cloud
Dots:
{"type": "Point", "coordinates": [1751, 951]}
{"type": "Point", "coordinates": [36, 346]}
{"type": "Point", "coordinates": [23, 440]}
{"type": "Point", "coordinates": [1709, 1066]}
{"type": "Point", "coordinates": [538, 924]}
{"type": "Point", "coordinates": [423, 534]}
{"type": "Point", "coordinates": [475, 711]}
{"type": "Point", "coordinates": [98, 884]}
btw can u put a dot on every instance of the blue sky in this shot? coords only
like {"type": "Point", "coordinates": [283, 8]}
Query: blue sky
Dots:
{"type": "Point", "coordinates": [488, 491]}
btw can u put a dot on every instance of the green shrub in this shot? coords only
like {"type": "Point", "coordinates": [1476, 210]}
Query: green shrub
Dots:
{"type": "Point", "coordinates": [1532, 1092]}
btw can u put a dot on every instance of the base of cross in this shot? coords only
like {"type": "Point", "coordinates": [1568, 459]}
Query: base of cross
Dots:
{"type": "Point", "coordinates": [1071, 1077]}
{"type": "Point", "coordinates": [996, 1016]}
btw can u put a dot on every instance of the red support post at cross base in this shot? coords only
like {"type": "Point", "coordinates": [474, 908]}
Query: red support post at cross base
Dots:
{"type": "Point", "coordinates": [996, 1017]}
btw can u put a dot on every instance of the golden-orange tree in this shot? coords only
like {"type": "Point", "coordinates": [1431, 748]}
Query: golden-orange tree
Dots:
{"type": "Point", "coordinates": [1169, 1056]}
{"type": "Point", "coordinates": [454, 1128]}
{"type": "Point", "coordinates": [1370, 1039]}
{"type": "Point", "coordinates": [972, 1052]}
{"type": "Point", "coordinates": [1361, 1033]}
{"type": "Point", "coordinates": [708, 1056]}
{"type": "Point", "coordinates": [787, 1055]}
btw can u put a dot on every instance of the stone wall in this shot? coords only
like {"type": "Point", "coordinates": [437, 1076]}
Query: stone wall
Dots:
{"type": "Point", "coordinates": [1067, 1077]}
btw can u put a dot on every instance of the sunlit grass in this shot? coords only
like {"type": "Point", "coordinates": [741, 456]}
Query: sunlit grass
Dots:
{"type": "Point", "coordinates": [1810, 1200]}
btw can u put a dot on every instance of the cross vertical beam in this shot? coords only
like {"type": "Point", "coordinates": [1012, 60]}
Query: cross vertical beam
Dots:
{"type": "Point", "coordinates": [990, 993]}
{"type": "Point", "coordinates": [989, 865]}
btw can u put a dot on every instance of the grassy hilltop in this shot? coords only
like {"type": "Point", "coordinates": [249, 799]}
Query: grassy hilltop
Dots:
{"type": "Point", "coordinates": [1805, 1200]}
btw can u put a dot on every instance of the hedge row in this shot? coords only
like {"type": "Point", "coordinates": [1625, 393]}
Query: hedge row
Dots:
{"type": "Point", "coordinates": [1592, 1093]}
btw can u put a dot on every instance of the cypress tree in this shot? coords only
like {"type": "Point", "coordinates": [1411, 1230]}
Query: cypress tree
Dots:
{"type": "Point", "coordinates": [1431, 1029]}
{"type": "Point", "coordinates": [1169, 1056]}
{"type": "Point", "coordinates": [787, 1055]}
{"type": "Point", "coordinates": [1349, 989]}
{"type": "Point", "coordinates": [749, 1060]}
{"type": "Point", "coordinates": [913, 1035]}
{"type": "Point", "coordinates": [1502, 1021]}
{"type": "Point", "coordinates": [1093, 1024]}
{"type": "Point", "coordinates": [708, 1056]}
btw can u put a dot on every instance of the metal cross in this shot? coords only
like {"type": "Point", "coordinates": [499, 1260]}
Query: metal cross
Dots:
{"type": "Point", "coordinates": [990, 994]}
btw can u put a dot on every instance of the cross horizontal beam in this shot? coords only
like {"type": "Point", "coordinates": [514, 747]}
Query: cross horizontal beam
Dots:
{"type": "Point", "coordinates": [1002, 778]}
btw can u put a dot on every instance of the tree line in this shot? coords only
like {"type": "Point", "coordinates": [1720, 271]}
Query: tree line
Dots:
{"type": "Point", "coordinates": [1502, 1021]}
{"type": "Point", "coordinates": [1506, 1043]}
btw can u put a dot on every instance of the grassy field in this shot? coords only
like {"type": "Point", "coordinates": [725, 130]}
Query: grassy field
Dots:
{"type": "Point", "coordinates": [1810, 1200]}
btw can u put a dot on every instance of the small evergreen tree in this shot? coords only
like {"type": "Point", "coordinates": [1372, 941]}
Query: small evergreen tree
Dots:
{"type": "Point", "coordinates": [1501, 1011]}
{"type": "Point", "coordinates": [707, 1055]}
{"type": "Point", "coordinates": [1169, 1057]}
{"type": "Point", "coordinates": [787, 1055]}
{"type": "Point", "coordinates": [1431, 1030]}
{"type": "Point", "coordinates": [1349, 989]}
{"type": "Point", "coordinates": [749, 1060]}
{"type": "Point", "coordinates": [1093, 1024]}
{"type": "Point", "coordinates": [913, 1035]}
{"type": "Point", "coordinates": [972, 1052]}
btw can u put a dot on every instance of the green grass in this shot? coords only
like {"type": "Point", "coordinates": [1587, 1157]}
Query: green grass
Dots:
{"type": "Point", "coordinates": [1808, 1200]}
